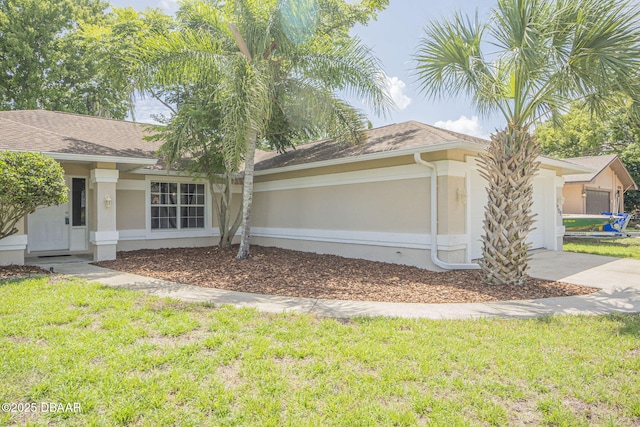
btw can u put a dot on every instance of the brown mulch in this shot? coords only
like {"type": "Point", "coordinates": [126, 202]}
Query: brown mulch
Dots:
{"type": "Point", "coordinates": [14, 271]}
{"type": "Point", "coordinates": [276, 271]}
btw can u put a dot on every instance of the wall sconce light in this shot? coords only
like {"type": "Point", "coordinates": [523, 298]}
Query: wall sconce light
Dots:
{"type": "Point", "coordinates": [461, 195]}
{"type": "Point", "coordinates": [107, 201]}
{"type": "Point", "coordinates": [584, 194]}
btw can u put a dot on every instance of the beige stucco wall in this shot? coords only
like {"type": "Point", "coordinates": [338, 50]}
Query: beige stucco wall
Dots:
{"type": "Point", "coordinates": [451, 205]}
{"type": "Point", "coordinates": [131, 213]}
{"type": "Point", "coordinates": [132, 176]}
{"type": "Point", "coordinates": [236, 205]}
{"type": "Point", "coordinates": [76, 169]}
{"type": "Point", "coordinates": [391, 206]}
{"type": "Point", "coordinates": [574, 203]}
{"type": "Point", "coordinates": [329, 170]}
{"type": "Point", "coordinates": [21, 225]}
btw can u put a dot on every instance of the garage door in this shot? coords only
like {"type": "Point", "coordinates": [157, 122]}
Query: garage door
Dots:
{"type": "Point", "coordinates": [598, 201]}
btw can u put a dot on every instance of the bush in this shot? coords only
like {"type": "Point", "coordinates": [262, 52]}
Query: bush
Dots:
{"type": "Point", "coordinates": [27, 181]}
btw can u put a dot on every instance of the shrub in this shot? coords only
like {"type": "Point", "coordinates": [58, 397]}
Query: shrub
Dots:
{"type": "Point", "coordinates": [27, 181]}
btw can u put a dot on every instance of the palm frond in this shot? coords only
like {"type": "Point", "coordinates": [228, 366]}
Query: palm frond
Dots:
{"type": "Point", "coordinates": [179, 57]}
{"type": "Point", "coordinates": [449, 61]}
{"type": "Point", "coordinates": [348, 67]}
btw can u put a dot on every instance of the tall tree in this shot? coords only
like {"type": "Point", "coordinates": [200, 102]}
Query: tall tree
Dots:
{"type": "Point", "coordinates": [190, 141]}
{"type": "Point", "coordinates": [267, 64]}
{"type": "Point", "coordinates": [44, 64]}
{"type": "Point", "coordinates": [527, 61]}
{"type": "Point", "coordinates": [106, 45]}
{"type": "Point", "coordinates": [580, 133]}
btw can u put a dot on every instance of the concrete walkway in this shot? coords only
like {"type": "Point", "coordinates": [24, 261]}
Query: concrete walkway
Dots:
{"type": "Point", "coordinates": [619, 280]}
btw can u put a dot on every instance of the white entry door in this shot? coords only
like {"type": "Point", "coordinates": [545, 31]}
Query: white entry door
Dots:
{"type": "Point", "coordinates": [49, 229]}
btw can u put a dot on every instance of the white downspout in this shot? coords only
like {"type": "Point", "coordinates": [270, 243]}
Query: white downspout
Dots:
{"type": "Point", "coordinates": [434, 221]}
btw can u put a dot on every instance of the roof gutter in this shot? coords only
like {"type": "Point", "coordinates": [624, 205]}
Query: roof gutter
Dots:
{"type": "Point", "coordinates": [434, 221]}
{"type": "Point", "coordinates": [98, 158]}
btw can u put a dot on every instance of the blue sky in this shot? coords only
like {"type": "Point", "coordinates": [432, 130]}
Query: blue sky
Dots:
{"type": "Point", "coordinates": [393, 38]}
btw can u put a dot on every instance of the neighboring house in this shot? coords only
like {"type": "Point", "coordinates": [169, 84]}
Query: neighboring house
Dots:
{"type": "Point", "coordinates": [599, 191]}
{"type": "Point", "coordinates": [371, 201]}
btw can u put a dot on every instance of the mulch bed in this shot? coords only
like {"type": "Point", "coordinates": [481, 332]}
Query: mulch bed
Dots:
{"type": "Point", "coordinates": [14, 271]}
{"type": "Point", "coordinates": [282, 272]}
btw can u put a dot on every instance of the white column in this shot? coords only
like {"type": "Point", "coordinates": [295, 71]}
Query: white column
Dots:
{"type": "Point", "coordinates": [12, 248]}
{"type": "Point", "coordinates": [105, 236]}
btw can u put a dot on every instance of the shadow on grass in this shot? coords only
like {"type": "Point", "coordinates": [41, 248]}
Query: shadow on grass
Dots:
{"type": "Point", "coordinates": [630, 323]}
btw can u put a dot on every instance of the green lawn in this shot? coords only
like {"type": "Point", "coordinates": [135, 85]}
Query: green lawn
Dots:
{"type": "Point", "coordinates": [628, 247]}
{"type": "Point", "coordinates": [131, 359]}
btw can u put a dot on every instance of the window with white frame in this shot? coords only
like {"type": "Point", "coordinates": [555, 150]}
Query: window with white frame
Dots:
{"type": "Point", "coordinates": [177, 206]}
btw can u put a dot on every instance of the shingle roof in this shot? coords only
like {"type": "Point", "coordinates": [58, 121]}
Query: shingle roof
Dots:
{"type": "Point", "coordinates": [66, 133]}
{"type": "Point", "coordinates": [394, 137]}
{"type": "Point", "coordinates": [55, 132]}
{"type": "Point", "coordinates": [598, 164]}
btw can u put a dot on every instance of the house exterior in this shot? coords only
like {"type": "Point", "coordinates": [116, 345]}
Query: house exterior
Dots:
{"type": "Point", "coordinates": [601, 190]}
{"type": "Point", "coordinates": [410, 191]}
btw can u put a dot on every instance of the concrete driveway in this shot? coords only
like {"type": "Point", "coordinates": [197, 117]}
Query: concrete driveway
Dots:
{"type": "Point", "coordinates": [586, 269]}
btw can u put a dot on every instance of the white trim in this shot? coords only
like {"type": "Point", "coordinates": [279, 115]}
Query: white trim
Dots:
{"type": "Point", "coordinates": [178, 233]}
{"type": "Point", "coordinates": [404, 240]}
{"type": "Point", "coordinates": [173, 178]}
{"type": "Point", "coordinates": [167, 234]}
{"type": "Point", "coordinates": [97, 158]}
{"type": "Point", "coordinates": [100, 238]}
{"type": "Point", "coordinates": [104, 175]}
{"type": "Point", "coordinates": [15, 242]}
{"type": "Point", "coordinates": [467, 212]}
{"type": "Point", "coordinates": [164, 172]}
{"type": "Point", "coordinates": [392, 173]}
{"type": "Point", "coordinates": [131, 184]}
{"type": "Point", "coordinates": [566, 167]}
{"type": "Point", "coordinates": [372, 238]}
{"type": "Point", "coordinates": [451, 168]}
{"type": "Point", "coordinates": [384, 174]}
{"type": "Point", "coordinates": [87, 213]}
{"type": "Point", "coordinates": [472, 146]}
{"type": "Point", "coordinates": [560, 230]}
{"type": "Point", "coordinates": [132, 234]}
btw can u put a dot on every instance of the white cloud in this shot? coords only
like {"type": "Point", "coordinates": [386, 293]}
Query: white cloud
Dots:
{"type": "Point", "coordinates": [396, 88]}
{"type": "Point", "coordinates": [147, 108]}
{"type": "Point", "coordinates": [169, 5]}
{"type": "Point", "coordinates": [466, 125]}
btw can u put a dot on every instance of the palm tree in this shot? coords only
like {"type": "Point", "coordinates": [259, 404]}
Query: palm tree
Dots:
{"type": "Point", "coordinates": [527, 62]}
{"type": "Point", "coordinates": [264, 62]}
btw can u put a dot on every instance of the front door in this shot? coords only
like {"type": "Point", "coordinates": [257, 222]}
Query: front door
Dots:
{"type": "Point", "coordinates": [49, 229]}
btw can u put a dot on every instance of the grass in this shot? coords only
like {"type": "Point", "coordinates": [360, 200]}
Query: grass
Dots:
{"type": "Point", "coordinates": [132, 359]}
{"type": "Point", "coordinates": [628, 247]}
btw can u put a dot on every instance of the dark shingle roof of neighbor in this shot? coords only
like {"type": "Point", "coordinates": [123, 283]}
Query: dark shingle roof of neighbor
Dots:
{"type": "Point", "coordinates": [411, 134]}
{"type": "Point", "coordinates": [55, 132]}
{"type": "Point", "coordinates": [598, 164]}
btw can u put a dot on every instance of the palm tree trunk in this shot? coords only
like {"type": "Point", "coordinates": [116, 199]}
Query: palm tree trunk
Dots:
{"type": "Point", "coordinates": [247, 195]}
{"type": "Point", "coordinates": [509, 167]}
